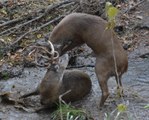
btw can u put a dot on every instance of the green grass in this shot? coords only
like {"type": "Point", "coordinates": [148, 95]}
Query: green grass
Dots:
{"type": "Point", "coordinates": [68, 112]}
{"type": "Point", "coordinates": [119, 113]}
{"type": "Point", "coordinates": [5, 75]}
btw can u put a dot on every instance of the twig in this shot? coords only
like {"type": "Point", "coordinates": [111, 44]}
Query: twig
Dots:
{"type": "Point", "coordinates": [128, 10]}
{"type": "Point", "coordinates": [60, 97]}
{"type": "Point", "coordinates": [14, 44]}
{"type": "Point", "coordinates": [73, 9]}
{"type": "Point", "coordinates": [64, 6]}
{"type": "Point", "coordinates": [76, 9]}
{"type": "Point", "coordinates": [33, 14]}
{"type": "Point", "coordinates": [48, 9]}
{"type": "Point", "coordinates": [22, 36]}
{"type": "Point", "coordinates": [53, 6]}
{"type": "Point", "coordinates": [13, 29]}
{"type": "Point", "coordinates": [36, 29]}
{"type": "Point", "coordinates": [10, 22]}
{"type": "Point", "coordinates": [50, 22]}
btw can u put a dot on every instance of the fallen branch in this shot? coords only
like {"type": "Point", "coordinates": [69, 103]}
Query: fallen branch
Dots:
{"type": "Point", "coordinates": [16, 43]}
{"type": "Point", "coordinates": [74, 8]}
{"type": "Point", "coordinates": [48, 9]}
{"type": "Point", "coordinates": [133, 7]}
{"type": "Point", "coordinates": [36, 29]}
{"type": "Point", "coordinates": [14, 21]}
{"type": "Point", "coordinates": [10, 22]}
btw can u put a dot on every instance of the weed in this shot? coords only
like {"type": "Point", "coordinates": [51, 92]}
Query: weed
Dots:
{"type": "Point", "coordinates": [68, 112]}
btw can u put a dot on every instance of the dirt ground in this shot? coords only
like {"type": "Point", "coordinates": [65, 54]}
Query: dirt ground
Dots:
{"type": "Point", "coordinates": [135, 83]}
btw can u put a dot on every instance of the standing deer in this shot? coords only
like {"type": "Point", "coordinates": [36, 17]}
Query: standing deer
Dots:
{"type": "Point", "coordinates": [79, 28]}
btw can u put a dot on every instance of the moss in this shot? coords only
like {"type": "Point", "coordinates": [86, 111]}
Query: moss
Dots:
{"type": "Point", "coordinates": [68, 112]}
{"type": "Point", "coordinates": [5, 75]}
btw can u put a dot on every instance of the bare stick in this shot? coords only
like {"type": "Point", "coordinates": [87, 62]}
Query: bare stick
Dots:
{"type": "Point", "coordinates": [34, 13]}
{"type": "Point", "coordinates": [49, 8]}
{"type": "Point", "coordinates": [22, 36]}
{"type": "Point", "coordinates": [134, 6]}
{"type": "Point", "coordinates": [60, 97]}
{"type": "Point", "coordinates": [37, 29]}
{"type": "Point", "coordinates": [11, 22]}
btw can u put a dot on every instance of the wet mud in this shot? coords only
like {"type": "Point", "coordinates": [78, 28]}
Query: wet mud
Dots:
{"type": "Point", "coordinates": [135, 83]}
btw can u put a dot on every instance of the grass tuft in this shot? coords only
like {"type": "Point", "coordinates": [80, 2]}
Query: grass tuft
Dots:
{"type": "Point", "coordinates": [68, 112]}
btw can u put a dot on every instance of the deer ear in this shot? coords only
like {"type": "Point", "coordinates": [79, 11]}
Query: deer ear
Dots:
{"type": "Point", "coordinates": [63, 60]}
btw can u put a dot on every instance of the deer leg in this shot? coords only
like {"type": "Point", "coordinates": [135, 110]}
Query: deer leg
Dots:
{"type": "Point", "coordinates": [102, 75]}
{"type": "Point", "coordinates": [119, 85]}
{"type": "Point", "coordinates": [104, 89]}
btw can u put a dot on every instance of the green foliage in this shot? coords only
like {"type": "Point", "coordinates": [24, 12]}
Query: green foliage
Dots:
{"type": "Point", "coordinates": [107, 116]}
{"type": "Point", "coordinates": [67, 112]}
{"type": "Point", "coordinates": [147, 106]}
{"type": "Point", "coordinates": [121, 108]}
{"type": "Point", "coordinates": [111, 13]}
{"type": "Point", "coordinates": [4, 75]}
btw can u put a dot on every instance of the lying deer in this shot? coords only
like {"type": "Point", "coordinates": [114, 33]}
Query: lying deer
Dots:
{"type": "Point", "coordinates": [79, 28]}
{"type": "Point", "coordinates": [57, 81]}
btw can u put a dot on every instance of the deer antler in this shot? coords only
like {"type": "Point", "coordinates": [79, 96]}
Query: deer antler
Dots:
{"type": "Point", "coordinates": [43, 52]}
{"type": "Point", "coordinates": [53, 52]}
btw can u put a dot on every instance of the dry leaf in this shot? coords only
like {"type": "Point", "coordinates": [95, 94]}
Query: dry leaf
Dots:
{"type": "Point", "coordinates": [39, 36]}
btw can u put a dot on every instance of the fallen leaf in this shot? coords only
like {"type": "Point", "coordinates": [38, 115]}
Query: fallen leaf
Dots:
{"type": "Point", "coordinates": [3, 11]}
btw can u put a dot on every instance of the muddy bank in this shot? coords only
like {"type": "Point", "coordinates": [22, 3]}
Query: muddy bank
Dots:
{"type": "Point", "coordinates": [135, 82]}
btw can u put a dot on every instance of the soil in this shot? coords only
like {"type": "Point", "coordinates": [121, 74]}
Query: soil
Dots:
{"type": "Point", "coordinates": [135, 84]}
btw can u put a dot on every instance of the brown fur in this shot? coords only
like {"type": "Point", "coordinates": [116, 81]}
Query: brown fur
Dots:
{"type": "Point", "coordinates": [57, 81]}
{"type": "Point", "coordinates": [78, 82]}
{"type": "Point", "coordinates": [77, 29]}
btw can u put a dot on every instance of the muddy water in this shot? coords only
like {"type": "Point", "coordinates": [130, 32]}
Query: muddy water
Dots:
{"type": "Point", "coordinates": [135, 82]}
